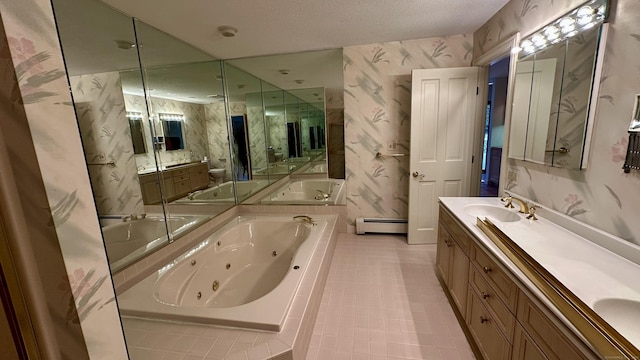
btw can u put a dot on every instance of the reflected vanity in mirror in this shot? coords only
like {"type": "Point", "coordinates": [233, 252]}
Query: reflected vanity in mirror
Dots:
{"type": "Point", "coordinates": [555, 84]}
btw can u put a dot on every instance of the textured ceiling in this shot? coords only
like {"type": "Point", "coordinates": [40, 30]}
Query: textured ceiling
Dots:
{"type": "Point", "coordinates": [287, 26]}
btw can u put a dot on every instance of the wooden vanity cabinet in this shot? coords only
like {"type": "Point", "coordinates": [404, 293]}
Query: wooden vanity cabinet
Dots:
{"type": "Point", "coordinates": [453, 262]}
{"type": "Point", "coordinates": [501, 321]}
{"type": "Point", "coordinates": [177, 183]}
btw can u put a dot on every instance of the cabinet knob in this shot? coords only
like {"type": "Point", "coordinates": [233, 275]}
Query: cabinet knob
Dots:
{"type": "Point", "coordinates": [485, 295]}
{"type": "Point", "coordinates": [486, 269]}
{"type": "Point", "coordinates": [483, 319]}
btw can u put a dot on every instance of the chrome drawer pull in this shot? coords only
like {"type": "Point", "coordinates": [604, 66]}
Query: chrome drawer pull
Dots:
{"type": "Point", "coordinates": [486, 269]}
{"type": "Point", "coordinates": [485, 295]}
{"type": "Point", "coordinates": [483, 319]}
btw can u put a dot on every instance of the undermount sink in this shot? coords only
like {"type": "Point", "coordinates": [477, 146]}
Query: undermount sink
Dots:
{"type": "Point", "coordinates": [622, 314]}
{"type": "Point", "coordinates": [493, 212]}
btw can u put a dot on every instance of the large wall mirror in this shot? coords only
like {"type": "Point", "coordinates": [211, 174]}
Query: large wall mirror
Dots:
{"type": "Point", "coordinates": [173, 136]}
{"type": "Point", "coordinates": [555, 79]}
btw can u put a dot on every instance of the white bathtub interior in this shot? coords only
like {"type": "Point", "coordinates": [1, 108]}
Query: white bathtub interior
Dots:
{"type": "Point", "coordinates": [258, 252]}
{"type": "Point", "coordinates": [311, 191]}
{"type": "Point", "coordinates": [224, 192]}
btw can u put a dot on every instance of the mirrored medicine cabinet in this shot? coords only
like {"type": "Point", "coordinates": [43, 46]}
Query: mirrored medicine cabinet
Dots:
{"type": "Point", "coordinates": [555, 84]}
{"type": "Point", "coordinates": [172, 136]}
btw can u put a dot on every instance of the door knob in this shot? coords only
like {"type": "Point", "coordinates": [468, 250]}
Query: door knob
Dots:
{"type": "Point", "coordinates": [416, 174]}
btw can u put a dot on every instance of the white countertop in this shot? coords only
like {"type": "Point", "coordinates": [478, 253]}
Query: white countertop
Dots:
{"type": "Point", "coordinates": [588, 270]}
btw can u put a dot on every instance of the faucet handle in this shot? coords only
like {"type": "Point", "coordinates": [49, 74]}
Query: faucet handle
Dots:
{"type": "Point", "coordinates": [532, 211]}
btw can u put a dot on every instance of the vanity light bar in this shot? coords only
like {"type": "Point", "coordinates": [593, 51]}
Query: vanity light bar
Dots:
{"type": "Point", "coordinates": [581, 18]}
{"type": "Point", "coordinates": [134, 115]}
{"type": "Point", "coordinates": [171, 117]}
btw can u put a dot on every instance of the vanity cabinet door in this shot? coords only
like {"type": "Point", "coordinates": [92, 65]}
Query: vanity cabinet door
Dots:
{"type": "Point", "coordinates": [443, 255]}
{"type": "Point", "coordinates": [453, 265]}
{"type": "Point", "coordinates": [459, 277]}
{"type": "Point", "coordinates": [199, 177]}
{"type": "Point", "coordinates": [551, 341]}
{"type": "Point", "coordinates": [524, 348]}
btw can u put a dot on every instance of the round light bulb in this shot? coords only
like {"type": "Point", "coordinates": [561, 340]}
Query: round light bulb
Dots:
{"type": "Point", "coordinates": [566, 21]}
{"type": "Point", "coordinates": [584, 11]}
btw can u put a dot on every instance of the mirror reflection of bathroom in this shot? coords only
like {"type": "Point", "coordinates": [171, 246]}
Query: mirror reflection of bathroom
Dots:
{"type": "Point", "coordinates": [494, 127]}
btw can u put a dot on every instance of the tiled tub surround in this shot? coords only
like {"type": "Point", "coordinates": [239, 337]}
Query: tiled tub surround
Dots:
{"type": "Point", "coordinates": [257, 263]}
{"type": "Point", "coordinates": [152, 339]}
{"type": "Point", "coordinates": [311, 191]}
{"type": "Point", "coordinates": [594, 266]}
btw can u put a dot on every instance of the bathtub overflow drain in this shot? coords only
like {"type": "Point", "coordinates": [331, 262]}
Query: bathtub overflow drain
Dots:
{"type": "Point", "coordinates": [216, 285]}
{"type": "Point", "coordinates": [274, 253]}
{"type": "Point", "coordinates": [228, 266]}
{"type": "Point", "coordinates": [199, 295]}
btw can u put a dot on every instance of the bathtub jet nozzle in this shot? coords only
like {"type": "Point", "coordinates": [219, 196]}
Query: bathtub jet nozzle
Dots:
{"type": "Point", "coordinates": [215, 285]}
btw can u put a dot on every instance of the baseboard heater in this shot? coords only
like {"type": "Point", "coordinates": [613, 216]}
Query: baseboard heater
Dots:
{"type": "Point", "coordinates": [381, 225]}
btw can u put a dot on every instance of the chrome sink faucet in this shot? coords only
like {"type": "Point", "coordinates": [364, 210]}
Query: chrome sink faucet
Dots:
{"type": "Point", "coordinates": [508, 198]}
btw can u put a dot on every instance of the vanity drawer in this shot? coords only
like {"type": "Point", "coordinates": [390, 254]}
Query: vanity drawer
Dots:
{"type": "Point", "coordinates": [503, 318]}
{"type": "Point", "coordinates": [482, 326]}
{"type": "Point", "coordinates": [182, 177]}
{"type": "Point", "coordinates": [506, 289]}
{"type": "Point", "coordinates": [546, 336]}
{"type": "Point", "coordinates": [180, 172]}
{"type": "Point", "coordinates": [182, 187]}
{"type": "Point", "coordinates": [456, 230]}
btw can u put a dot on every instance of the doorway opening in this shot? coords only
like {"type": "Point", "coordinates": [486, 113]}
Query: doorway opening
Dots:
{"type": "Point", "coordinates": [241, 147]}
{"type": "Point", "coordinates": [494, 127]}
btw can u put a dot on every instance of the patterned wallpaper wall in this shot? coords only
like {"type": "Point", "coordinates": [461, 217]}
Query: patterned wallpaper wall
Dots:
{"type": "Point", "coordinates": [106, 136]}
{"type": "Point", "coordinates": [257, 135]}
{"type": "Point", "coordinates": [35, 50]}
{"type": "Point", "coordinates": [377, 112]}
{"type": "Point", "coordinates": [194, 130]}
{"type": "Point", "coordinates": [602, 195]}
{"type": "Point", "coordinates": [277, 133]}
{"type": "Point", "coordinates": [217, 134]}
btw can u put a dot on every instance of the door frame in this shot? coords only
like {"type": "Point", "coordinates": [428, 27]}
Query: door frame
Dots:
{"type": "Point", "coordinates": [508, 47]}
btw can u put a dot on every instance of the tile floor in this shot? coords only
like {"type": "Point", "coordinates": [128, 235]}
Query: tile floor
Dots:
{"type": "Point", "coordinates": [382, 300]}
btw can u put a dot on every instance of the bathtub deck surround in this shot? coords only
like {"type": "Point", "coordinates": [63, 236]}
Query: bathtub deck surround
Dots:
{"type": "Point", "coordinates": [244, 275]}
{"type": "Point", "coordinates": [153, 339]}
{"type": "Point", "coordinates": [582, 260]}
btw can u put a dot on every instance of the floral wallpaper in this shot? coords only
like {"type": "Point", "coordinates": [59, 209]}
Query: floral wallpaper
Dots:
{"type": "Point", "coordinates": [217, 133]}
{"type": "Point", "coordinates": [34, 49]}
{"type": "Point", "coordinates": [106, 137]}
{"type": "Point", "coordinates": [602, 195]}
{"type": "Point", "coordinates": [377, 113]}
{"type": "Point", "coordinates": [277, 132]}
{"type": "Point", "coordinates": [194, 127]}
{"type": "Point", "coordinates": [257, 133]}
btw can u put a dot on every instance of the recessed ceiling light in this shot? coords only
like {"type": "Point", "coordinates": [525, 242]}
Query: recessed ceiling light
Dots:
{"type": "Point", "coordinates": [284, 71]}
{"type": "Point", "coordinates": [299, 81]}
{"type": "Point", "coordinates": [227, 31]}
{"type": "Point", "coordinates": [214, 96]}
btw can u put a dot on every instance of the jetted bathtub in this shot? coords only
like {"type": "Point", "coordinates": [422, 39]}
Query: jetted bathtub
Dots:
{"type": "Point", "coordinates": [244, 275]}
{"type": "Point", "coordinates": [312, 191]}
{"type": "Point", "coordinates": [224, 192]}
{"type": "Point", "coordinates": [128, 240]}
{"type": "Point", "coordinates": [317, 168]}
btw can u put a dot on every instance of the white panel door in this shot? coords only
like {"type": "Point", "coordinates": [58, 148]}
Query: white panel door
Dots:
{"type": "Point", "coordinates": [443, 110]}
